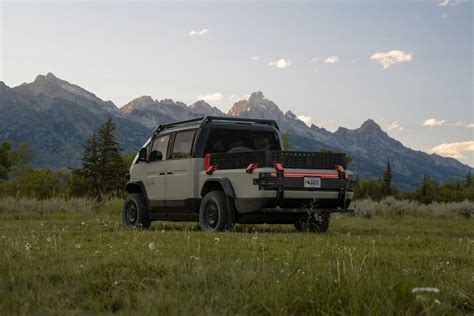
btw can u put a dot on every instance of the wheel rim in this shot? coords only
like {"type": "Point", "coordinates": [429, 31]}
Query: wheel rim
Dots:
{"type": "Point", "coordinates": [212, 214]}
{"type": "Point", "coordinates": [131, 213]}
{"type": "Point", "coordinates": [318, 221]}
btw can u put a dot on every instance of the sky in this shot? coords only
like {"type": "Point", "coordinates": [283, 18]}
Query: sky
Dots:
{"type": "Point", "coordinates": [406, 64]}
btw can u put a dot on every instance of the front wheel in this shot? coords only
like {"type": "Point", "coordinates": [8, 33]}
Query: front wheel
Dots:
{"type": "Point", "coordinates": [134, 212]}
{"type": "Point", "coordinates": [216, 212]}
{"type": "Point", "coordinates": [316, 223]}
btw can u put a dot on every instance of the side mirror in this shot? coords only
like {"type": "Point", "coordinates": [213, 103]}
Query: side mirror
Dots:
{"type": "Point", "coordinates": [156, 155]}
{"type": "Point", "coordinates": [142, 154]}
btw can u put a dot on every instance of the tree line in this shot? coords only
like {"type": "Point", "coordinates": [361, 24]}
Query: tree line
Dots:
{"type": "Point", "coordinates": [103, 173]}
{"type": "Point", "coordinates": [428, 191]}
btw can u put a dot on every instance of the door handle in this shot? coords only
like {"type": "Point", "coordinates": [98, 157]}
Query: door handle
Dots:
{"type": "Point", "coordinates": [169, 173]}
{"type": "Point", "coordinates": [162, 173]}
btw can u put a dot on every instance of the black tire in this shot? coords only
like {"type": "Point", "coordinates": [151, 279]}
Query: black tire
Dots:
{"type": "Point", "coordinates": [216, 212]}
{"type": "Point", "coordinates": [134, 212]}
{"type": "Point", "coordinates": [316, 223]}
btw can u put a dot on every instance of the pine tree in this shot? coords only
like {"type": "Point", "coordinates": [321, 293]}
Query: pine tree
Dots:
{"type": "Point", "coordinates": [286, 142]}
{"type": "Point", "coordinates": [90, 167]}
{"type": "Point", "coordinates": [5, 160]}
{"type": "Point", "coordinates": [387, 188]}
{"type": "Point", "coordinates": [103, 167]}
{"type": "Point", "coordinates": [112, 167]}
{"type": "Point", "coordinates": [468, 180]}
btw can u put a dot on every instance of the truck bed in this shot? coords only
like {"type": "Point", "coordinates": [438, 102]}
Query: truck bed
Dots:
{"type": "Point", "coordinates": [267, 158]}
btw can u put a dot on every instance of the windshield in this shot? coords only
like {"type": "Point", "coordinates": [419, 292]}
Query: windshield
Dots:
{"type": "Point", "coordinates": [224, 140]}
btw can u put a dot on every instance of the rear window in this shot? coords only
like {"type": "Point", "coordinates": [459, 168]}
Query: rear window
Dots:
{"type": "Point", "coordinates": [223, 140]}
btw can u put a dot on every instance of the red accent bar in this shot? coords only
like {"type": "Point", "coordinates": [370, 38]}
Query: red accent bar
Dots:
{"type": "Point", "coordinates": [250, 168]}
{"type": "Point", "coordinates": [207, 160]}
{"type": "Point", "coordinates": [340, 169]}
{"type": "Point", "coordinates": [320, 175]}
{"type": "Point", "coordinates": [278, 167]}
{"type": "Point", "coordinates": [210, 169]}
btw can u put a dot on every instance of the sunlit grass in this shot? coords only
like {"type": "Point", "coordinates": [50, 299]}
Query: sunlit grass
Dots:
{"type": "Point", "coordinates": [83, 261]}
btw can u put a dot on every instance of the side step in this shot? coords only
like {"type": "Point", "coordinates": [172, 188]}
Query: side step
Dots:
{"type": "Point", "coordinates": [305, 211]}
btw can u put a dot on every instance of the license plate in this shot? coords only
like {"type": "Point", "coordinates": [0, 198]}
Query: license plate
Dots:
{"type": "Point", "coordinates": [312, 182]}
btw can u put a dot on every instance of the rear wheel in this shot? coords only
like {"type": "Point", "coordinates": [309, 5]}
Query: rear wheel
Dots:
{"type": "Point", "coordinates": [134, 212]}
{"type": "Point", "coordinates": [316, 223]}
{"type": "Point", "coordinates": [216, 212]}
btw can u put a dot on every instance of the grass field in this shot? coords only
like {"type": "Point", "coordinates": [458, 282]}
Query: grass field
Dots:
{"type": "Point", "coordinates": [84, 262]}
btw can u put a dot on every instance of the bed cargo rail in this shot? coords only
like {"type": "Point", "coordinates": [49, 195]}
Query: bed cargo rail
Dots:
{"type": "Point", "coordinates": [267, 158]}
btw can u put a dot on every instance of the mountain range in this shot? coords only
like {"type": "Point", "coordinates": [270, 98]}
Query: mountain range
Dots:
{"type": "Point", "coordinates": [58, 117]}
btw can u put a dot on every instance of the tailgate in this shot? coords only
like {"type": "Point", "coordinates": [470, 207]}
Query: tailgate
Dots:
{"type": "Point", "coordinates": [303, 180]}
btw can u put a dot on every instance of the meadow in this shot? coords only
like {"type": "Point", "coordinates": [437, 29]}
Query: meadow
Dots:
{"type": "Point", "coordinates": [74, 257]}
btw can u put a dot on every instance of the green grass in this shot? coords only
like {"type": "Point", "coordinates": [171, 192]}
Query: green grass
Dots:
{"type": "Point", "coordinates": [85, 262]}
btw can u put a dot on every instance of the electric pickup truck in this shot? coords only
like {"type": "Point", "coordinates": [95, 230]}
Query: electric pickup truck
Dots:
{"type": "Point", "coordinates": [220, 171]}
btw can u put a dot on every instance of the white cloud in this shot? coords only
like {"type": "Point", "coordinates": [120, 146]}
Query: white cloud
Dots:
{"type": "Point", "coordinates": [390, 58]}
{"type": "Point", "coordinates": [433, 122]}
{"type": "Point", "coordinates": [464, 124]}
{"type": "Point", "coordinates": [454, 150]}
{"type": "Point", "coordinates": [199, 32]}
{"type": "Point", "coordinates": [211, 97]}
{"type": "Point", "coordinates": [281, 63]}
{"type": "Point", "coordinates": [394, 126]}
{"type": "Point", "coordinates": [331, 60]}
{"type": "Point", "coordinates": [254, 58]}
{"type": "Point", "coordinates": [451, 2]}
{"type": "Point", "coordinates": [308, 120]}
{"type": "Point", "coordinates": [315, 59]}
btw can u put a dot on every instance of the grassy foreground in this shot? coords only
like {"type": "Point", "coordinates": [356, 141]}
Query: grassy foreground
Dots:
{"type": "Point", "coordinates": [85, 262]}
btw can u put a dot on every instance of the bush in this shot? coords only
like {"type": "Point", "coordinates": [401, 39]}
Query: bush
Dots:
{"type": "Point", "coordinates": [393, 207]}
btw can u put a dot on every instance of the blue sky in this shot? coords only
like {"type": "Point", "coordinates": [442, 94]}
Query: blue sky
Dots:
{"type": "Point", "coordinates": [406, 64]}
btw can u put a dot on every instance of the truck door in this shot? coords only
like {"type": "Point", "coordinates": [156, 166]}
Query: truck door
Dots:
{"type": "Point", "coordinates": [156, 173]}
{"type": "Point", "coordinates": [179, 175]}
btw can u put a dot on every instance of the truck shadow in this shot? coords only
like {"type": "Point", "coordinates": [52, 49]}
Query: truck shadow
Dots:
{"type": "Point", "coordinates": [239, 228]}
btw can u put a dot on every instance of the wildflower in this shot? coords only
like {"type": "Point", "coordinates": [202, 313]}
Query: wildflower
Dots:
{"type": "Point", "coordinates": [152, 246]}
{"type": "Point", "coordinates": [163, 230]}
{"type": "Point", "coordinates": [83, 223]}
{"type": "Point", "coordinates": [424, 289]}
{"type": "Point", "coordinates": [27, 246]}
{"type": "Point", "coordinates": [217, 239]}
{"type": "Point", "coordinates": [254, 237]}
{"type": "Point", "coordinates": [116, 282]}
{"type": "Point", "coordinates": [78, 245]}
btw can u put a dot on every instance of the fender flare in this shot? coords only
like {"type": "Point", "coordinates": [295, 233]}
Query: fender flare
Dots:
{"type": "Point", "coordinates": [225, 184]}
{"type": "Point", "coordinates": [142, 189]}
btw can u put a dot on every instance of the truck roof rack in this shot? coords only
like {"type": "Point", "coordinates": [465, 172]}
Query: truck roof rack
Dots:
{"type": "Point", "coordinates": [208, 119]}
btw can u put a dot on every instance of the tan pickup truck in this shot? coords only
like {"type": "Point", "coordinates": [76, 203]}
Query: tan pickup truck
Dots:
{"type": "Point", "coordinates": [221, 171]}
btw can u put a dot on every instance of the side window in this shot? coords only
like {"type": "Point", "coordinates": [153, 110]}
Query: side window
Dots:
{"type": "Point", "coordinates": [183, 143]}
{"type": "Point", "coordinates": [161, 144]}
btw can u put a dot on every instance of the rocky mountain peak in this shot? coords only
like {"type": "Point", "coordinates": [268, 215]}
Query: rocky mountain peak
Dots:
{"type": "Point", "coordinates": [372, 128]}
{"type": "Point", "coordinates": [204, 108]}
{"type": "Point", "coordinates": [200, 104]}
{"type": "Point", "coordinates": [136, 103]}
{"type": "Point", "coordinates": [256, 96]}
{"type": "Point", "coordinates": [256, 106]}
